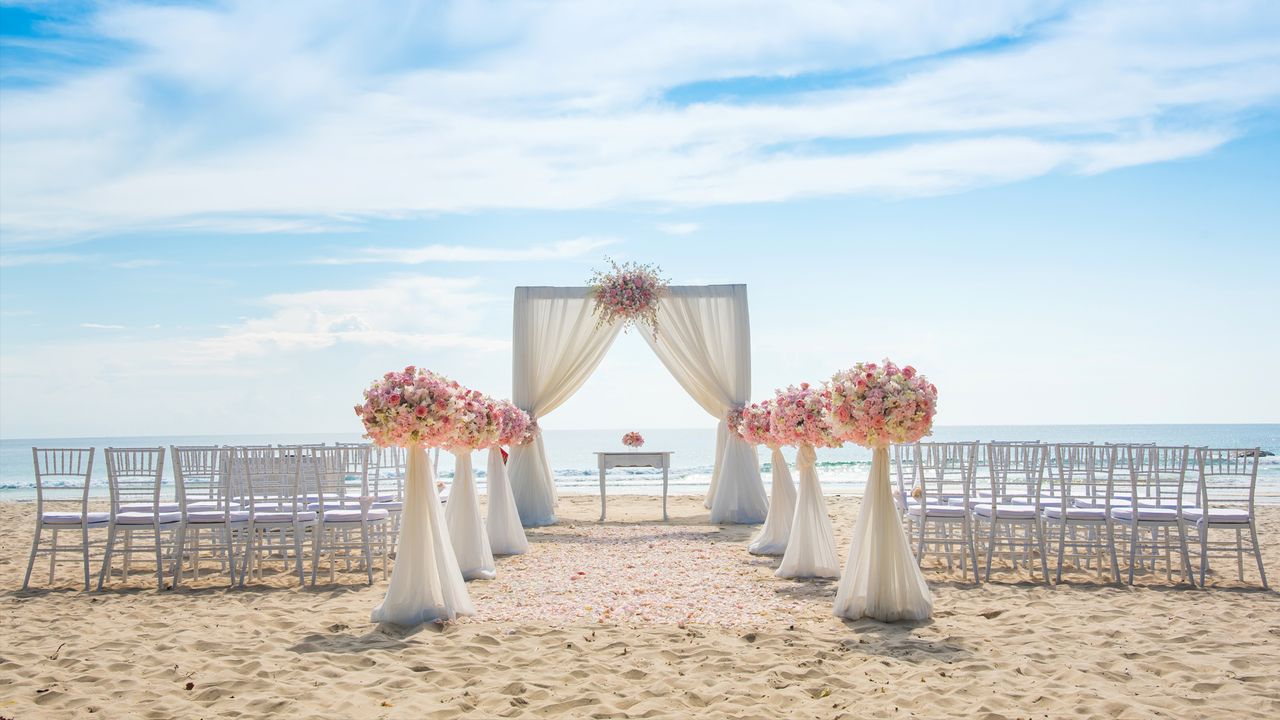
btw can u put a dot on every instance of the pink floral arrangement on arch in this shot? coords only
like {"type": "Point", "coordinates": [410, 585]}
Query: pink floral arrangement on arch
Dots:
{"type": "Point", "coordinates": [754, 424]}
{"type": "Point", "coordinates": [802, 416]}
{"type": "Point", "coordinates": [874, 405]}
{"type": "Point", "coordinates": [629, 293]}
{"type": "Point", "coordinates": [516, 424]}
{"type": "Point", "coordinates": [633, 439]}
{"type": "Point", "coordinates": [410, 408]}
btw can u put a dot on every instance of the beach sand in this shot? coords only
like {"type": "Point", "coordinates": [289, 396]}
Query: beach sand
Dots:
{"type": "Point", "coordinates": [637, 618]}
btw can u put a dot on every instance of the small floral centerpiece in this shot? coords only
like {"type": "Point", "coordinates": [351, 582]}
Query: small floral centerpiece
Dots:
{"type": "Point", "coordinates": [628, 293]}
{"type": "Point", "coordinates": [410, 408]}
{"type": "Point", "coordinates": [874, 405]}
{"type": "Point", "coordinates": [802, 416]}
{"type": "Point", "coordinates": [633, 439]}
{"type": "Point", "coordinates": [754, 424]}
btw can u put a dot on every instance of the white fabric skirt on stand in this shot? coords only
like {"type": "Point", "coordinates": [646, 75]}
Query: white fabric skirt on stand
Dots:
{"type": "Point", "coordinates": [881, 578]}
{"type": "Point", "coordinates": [772, 539]}
{"type": "Point", "coordinates": [506, 534]}
{"type": "Point", "coordinates": [462, 515]}
{"type": "Point", "coordinates": [811, 549]}
{"type": "Point", "coordinates": [426, 585]}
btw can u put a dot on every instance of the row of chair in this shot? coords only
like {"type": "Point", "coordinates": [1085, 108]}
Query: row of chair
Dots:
{"type": "Point", "coordinates": [1081, 503]}
{"type": "Point", "coordinates": [242, 507]}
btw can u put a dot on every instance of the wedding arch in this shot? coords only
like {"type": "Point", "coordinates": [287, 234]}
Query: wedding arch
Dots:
{"type": "Point", "coordinates": [703, 338]}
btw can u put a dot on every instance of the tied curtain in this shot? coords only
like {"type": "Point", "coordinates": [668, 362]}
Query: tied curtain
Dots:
{"type": "Point", "coordinates": [703, 339]}
{"type": "Point", "coordinates": [556, 347]}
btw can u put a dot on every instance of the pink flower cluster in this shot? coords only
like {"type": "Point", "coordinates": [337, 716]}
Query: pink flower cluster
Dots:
{"type": "Point", "coordinates": [420, 408]}
{"type": "Point", "coordinates": [802, 416]}
{"type": "Point", "coordinates": [633, 439]}
{"type": "Point", "coordinates": [875, 405]}
{"type": "Point", "coordinates": [629, 293]}
{"type": "Point", "coordinates": [754, 423]}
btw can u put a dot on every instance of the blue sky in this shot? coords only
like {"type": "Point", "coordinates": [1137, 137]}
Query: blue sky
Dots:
{"type": "Point", "coordinates": [226, 217]}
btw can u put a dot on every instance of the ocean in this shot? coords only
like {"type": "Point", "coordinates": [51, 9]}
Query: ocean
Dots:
{"type": "Point", "coordinates": [842, 470]}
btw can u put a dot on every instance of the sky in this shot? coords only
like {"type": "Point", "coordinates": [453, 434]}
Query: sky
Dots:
{"type": "Point", "coordinates": [227, 217]}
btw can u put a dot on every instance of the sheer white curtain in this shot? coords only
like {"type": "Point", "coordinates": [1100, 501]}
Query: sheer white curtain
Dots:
{"type": "Point", "coordinates": [506, 536]}
{"type": "Point", "coordinates": [462, 515]}
{"type": "Point", "coordinates": [704, 339]}
{"type": "Point", "coordinates": [811, 549]}
{"type": "Point", "coordinates": [556, 347]}
{"type": "Point", "coordinates": [426, 584]}
{"type": "Point", "coordinates": [773, 537]}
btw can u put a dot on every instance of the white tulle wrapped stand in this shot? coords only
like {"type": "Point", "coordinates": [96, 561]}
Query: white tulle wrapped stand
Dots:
{"type": "Point", "coordinates": [426, 584]}
{"type": "Point", "coordinates": [773, 537]}
{"type": "Point", "coordinates": [811, 547]}
{"type": "Point", "coordinates": [466, 530]}
{"type": "Point", "coordinates": [881, 578]}
{"type": "Point", "coordinates": [506, 534]}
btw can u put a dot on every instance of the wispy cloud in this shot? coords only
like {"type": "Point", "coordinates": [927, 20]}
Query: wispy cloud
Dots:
{"type": "Point", "coordinates": [139, 263]}
{"type": "Point", "coordinates": [561, 250]}
{"type": "Point", "coordinates": [101, 326]}
{"type": "Point", "coordinates": [682, 228]}
{"type": "Point", "coordinates": [529, 109]}
{"type": "Point", "coordinates": [40, 259]}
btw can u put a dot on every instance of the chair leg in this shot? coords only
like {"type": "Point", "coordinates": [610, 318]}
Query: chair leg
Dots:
{"type": "Point", "coordinates": [1239, 556]}
{"type": "Point", "coordinates": [53, 555]}
{"type": "Point", "coordinates": [973, 550]}
{"type": "Point", "coordinates": [1038, 528]}
{"type": "Point", "coordinates": [297, 550]}
{"type": "Point", "coordinates": [106, 556]}
{"type": "Point", "coordinates": [1062, 547]}
{"type": "Point", "coordinates": [1203, 527]}
{"type": "Point", "coordinates": [1111, 549]}
{"type": "Point", "coordinates": [368, 551]}
{"type": "Point", "coordinates": [1133, 549]}
{"type": "Point", "coordinates": [1257, 553]}
{"type": "Point", "coordinates": [1186, 553]}
{"type": "Point", "coordinates": [31, 561]}
{"type": "Point", "coordinates": [317, 546]}
{"type": "Point", "coordinates": [991, 546]}
{"type": "Point", "coordinates": [159, 560]}
{"type": "Point", "coordinates": [84, 546]}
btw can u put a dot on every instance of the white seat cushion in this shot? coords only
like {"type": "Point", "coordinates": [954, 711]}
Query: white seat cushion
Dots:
{"type": "Point", "coordinates": [1012, 512]}
{"type": "Point", "coordinates": [390, 506]}
{"type": "Point", "coordinates": [352, 504]}
{"type": "Point", "coordinates": [216, 516]}
{"type": "Point", "coordinates": [203, 505]}
{"type": "Point", "coordinates": [147, 518]}
{"type": "Point", "coordinates": [1099, 502]}
{"type": "Point", "coordinates": [1145, 514]}
{"type": "Point", "coordinates": [283, 517]}
{"type": "Point", "coordinates": [1077, 513]}
{"type": "Point", "coordinates": [939, 510]}
{"type": "Point", "coordinates": [331, 516]}
{"type": "Point", "coordinates": [165, 507]}
{"type": "Point", "coordinates": [73, 518]}
{"type": "Point", "coordinates": [1218, 515]}
{"type": "Point", "coordinates": [1044, 501]}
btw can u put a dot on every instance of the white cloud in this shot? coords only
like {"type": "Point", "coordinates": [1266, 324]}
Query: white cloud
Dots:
{"type": "Point", "coordinates": [139, 263]}
{"type": "Point", "coordinates": [40, 259]}
{"type": "Point", "coordinates": [101, 326]}
{"type": "Point", "coordinates": [561, 250]}
{"type": "Point", "coordinates": [682, 228]}
{"type": "Point", "coordinates": [340, 118]}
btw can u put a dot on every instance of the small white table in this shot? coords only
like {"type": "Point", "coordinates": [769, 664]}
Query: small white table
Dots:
{"type": "Point", "coordinates": [635, 458]}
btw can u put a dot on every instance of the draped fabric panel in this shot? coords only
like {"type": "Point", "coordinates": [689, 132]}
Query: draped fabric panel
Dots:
{"type": "Point", "coordinates": [556, 347]}
{"type": "Point", "coordinates": [506, 536]}
{"type": "Point", "coordinates": [426, 585]}
{"type": "Point", "coordinates": [881, 577]}
{"type": "Point", "coordinates": [462, 515]}
{"type": "Point", "coordinates": [773, 537]}
{"type": "Point", "coordinates": [811, 549]}
{"type": "Point", "coordinates": [704, 340]}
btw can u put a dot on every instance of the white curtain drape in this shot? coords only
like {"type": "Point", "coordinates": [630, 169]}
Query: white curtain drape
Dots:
{"type": "Point", "coordinates": [426, 584]}
{"type": "Point", "coordinates": [462, 515]}
{"type": "Point", "coordinates": [704, 339]}
{"type": "Point", "coordinates": [881, 578]}
{"type": "Point", "coordinates": [506, 535]}
{"type": "Point", "coordinates": [811, 549]}
{"type": "Point", "coordinates": [556, 346]}
{"type": "Point", "coordinates": [773, 537]}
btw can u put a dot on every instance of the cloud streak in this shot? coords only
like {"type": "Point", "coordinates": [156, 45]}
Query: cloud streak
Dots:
{"type": "Point", "coordinates": [562, 250]}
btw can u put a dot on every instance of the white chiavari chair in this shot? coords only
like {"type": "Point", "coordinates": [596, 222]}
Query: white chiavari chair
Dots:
{"type": "Point", "coordinates": [62, 505]}
{"type": "Point", "coordinates": [1016, 470]}
{"type": "Point", "coordinates": [1156, 486]}
{"type": "Point", "coordinates": [136, 476]}
{"type": "Point", "coordinates": [1227, 490]}
{"type": "Point", "coordinates": [1083, 533]}
{"type": "Point", "coordinates": [941, 525]}
{"type": "Point", "coordinates": [904, 457]}
{"type": "Point", "coordinates": [215, 521]}
{"type": "Point", "coordinates": [279, 521]}
{"type": "Point", "coordinates": [386, 484]}
{"type": "Point", "coordinates": [348, 527]}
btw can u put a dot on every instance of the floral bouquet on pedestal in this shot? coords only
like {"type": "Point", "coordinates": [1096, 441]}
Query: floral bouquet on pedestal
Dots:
{"type": "Point", "coordinates": [754, 424]}
{"type": "Point", "coordinates": [517, 426]}
{"type": "Point", "coordinates": [633, 440]}
{"type": "Point", "coordinates": [876, 405]}
{"type": "Point", "coordinates": [802, 416]}
{"type": "Point", "coordinates": [628, 293]}
{"type": "Point", "coordinates": [411, 408]}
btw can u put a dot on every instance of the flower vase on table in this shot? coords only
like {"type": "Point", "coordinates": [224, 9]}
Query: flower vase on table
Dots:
{"type": "Point", "coordinates": [633, 440]}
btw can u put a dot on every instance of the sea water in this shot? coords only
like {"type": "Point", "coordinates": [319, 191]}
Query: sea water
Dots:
{"type": "Point", "coordinates": [572, 459]}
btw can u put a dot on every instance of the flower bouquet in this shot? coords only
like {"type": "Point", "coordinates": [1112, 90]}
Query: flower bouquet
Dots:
{"type": "Point", "coordinates": [875, 405]}
{"type": "Point", "coordinates": [628, 293]}
{"type": "Point", "coordinates": [633, 440]}
{"type": "Point", "coordinates": [411, 408]}
{"type": "Point", "coordinates": [801, 416]}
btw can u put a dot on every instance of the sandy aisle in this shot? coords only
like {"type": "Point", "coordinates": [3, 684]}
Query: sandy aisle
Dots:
{"type": "Point", "coordinates": [695, 625]}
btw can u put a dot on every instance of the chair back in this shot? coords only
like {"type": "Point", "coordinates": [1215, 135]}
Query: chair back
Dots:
{"type": "Point", "coordinates": [200, 475]}
{"type": "Point", "coordinates": [1158, 475]}
{"type": "Point", "coordinates": [340, 475]}
{"type": "Point", "coordinates": [944, 471]}
{"type": "Point", "coordinates": [136, 476]}
{"type": "Point", "coordinates": [386, 473]}
{"type": "Point", "coordinates": [1084, 473]}
{"type": "Point", "coordinates": [1016, 469]}
{"type": "Point", "coordinates": [62, 478]}
{"type": "Point", "coordinates": [904, 472]}
{"type": "Point", "coordinates": [1227, 477]}
{"type": "Point", "coordinates": [272, 480]}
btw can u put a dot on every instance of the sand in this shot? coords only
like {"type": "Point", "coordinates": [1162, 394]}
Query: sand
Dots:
{"type": "Point", "coordinates": [611, 621]}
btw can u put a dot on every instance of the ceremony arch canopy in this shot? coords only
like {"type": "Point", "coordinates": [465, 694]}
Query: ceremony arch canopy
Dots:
{"type": "Point", "coordinates": [703, 339]}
